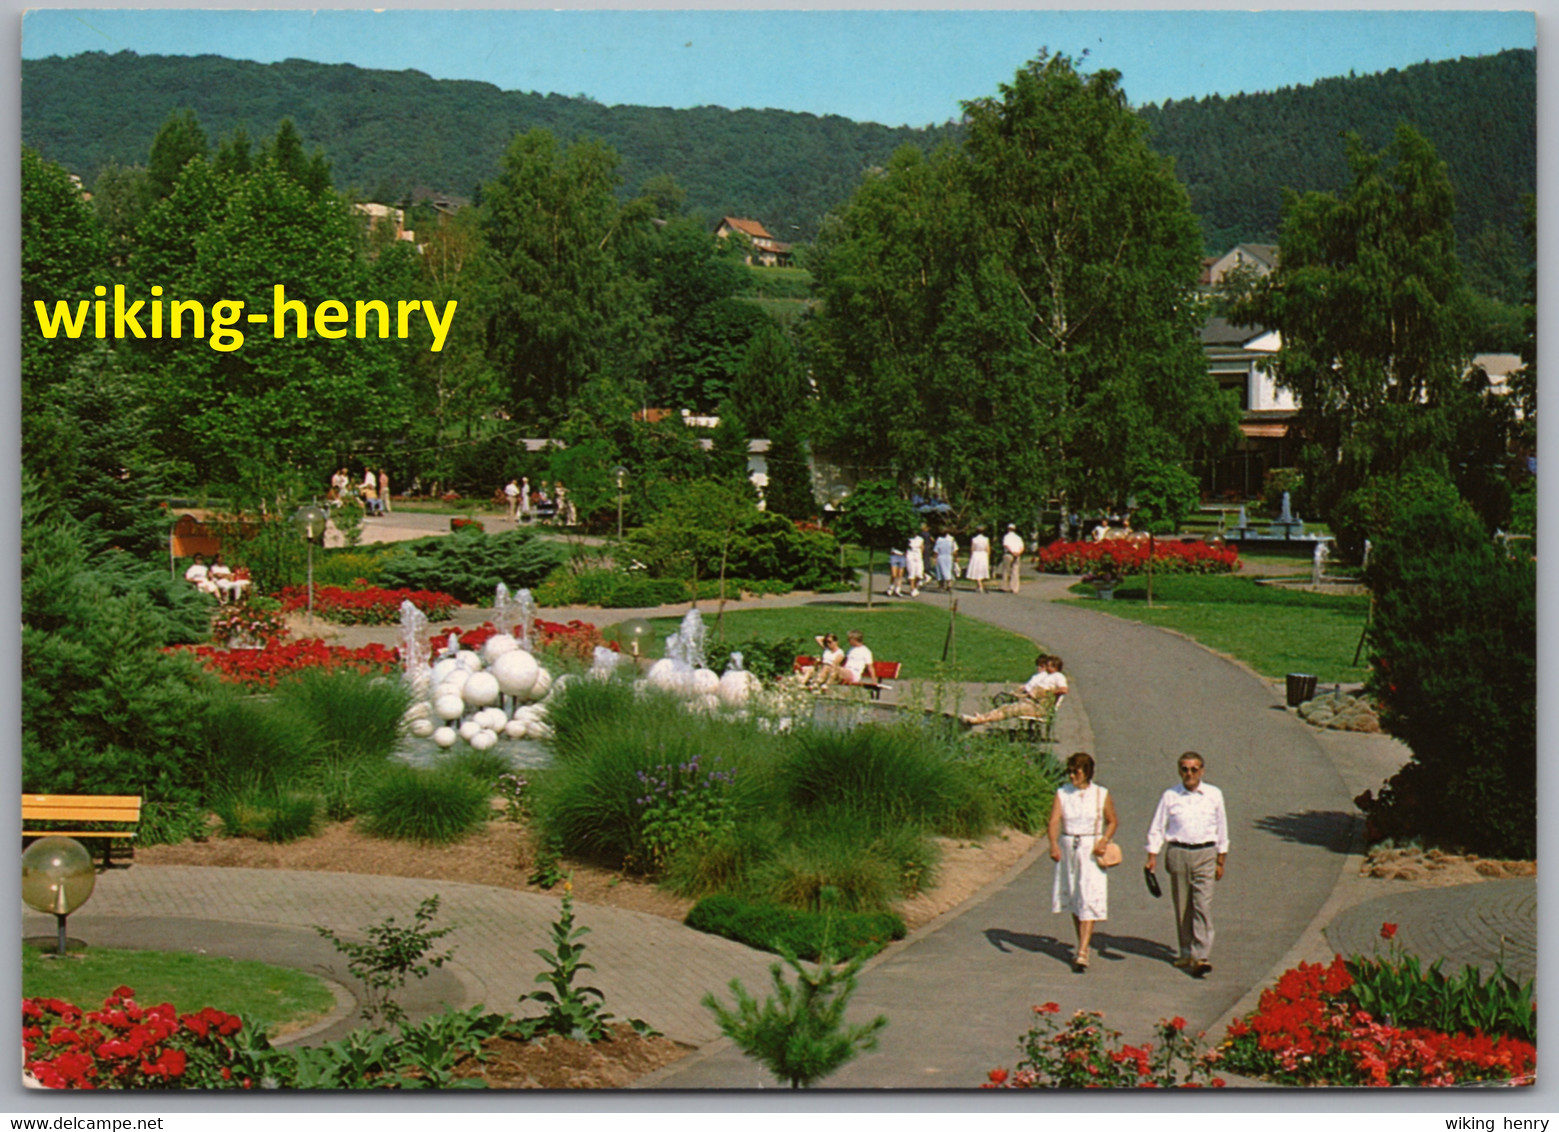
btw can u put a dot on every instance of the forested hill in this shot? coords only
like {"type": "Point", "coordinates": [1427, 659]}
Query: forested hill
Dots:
{"type": "Point", "coordinates": [1236, 154]}
{"type": "Point", "coordinates": [386, 132]}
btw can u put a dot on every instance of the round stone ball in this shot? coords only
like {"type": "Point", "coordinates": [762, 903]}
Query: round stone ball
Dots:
{"type": "Point", "coordinates": [445, 736]}
{"type": "Point", "coordinates": [516, 728]}
{"type": "Point", "coordinates": [705, 682]}
{"type": "Point", "coordinates": [468, 660]}
{"type": "Point", "coordinates": [516, 672]}
{"type": "Point", "coordinates": [443, 668]}
{"type": "Point", "coordinates": [542, 686]}
{"type": "Point", "coordinates": [736, 687]}
{"type": "Point", "coordinates": [422, 728]}
{"type": "Point", "coordinates": [483, 740]}
{"type": "Point", "coordinates": [449, 706]}
{"type": "Point", "coordinates": [497, 645]}
{"type": "Point", "coordinates": [481, 689]}
{"type": "Point", "coordinates": [468, 730]}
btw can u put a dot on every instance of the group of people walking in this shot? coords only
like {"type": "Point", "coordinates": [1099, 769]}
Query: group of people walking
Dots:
{"type": "Point", "coordinates": [907, 565]}
{"type": "Point", "coordinates": [1189, 830]}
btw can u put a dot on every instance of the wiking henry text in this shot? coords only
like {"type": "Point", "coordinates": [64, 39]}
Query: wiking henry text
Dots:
{"type": "Point", "coordinates": [176, 318]}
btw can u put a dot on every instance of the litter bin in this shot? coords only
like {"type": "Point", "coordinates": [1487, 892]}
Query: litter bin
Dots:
{"type": "Point", "coordinates": [1300, 688]}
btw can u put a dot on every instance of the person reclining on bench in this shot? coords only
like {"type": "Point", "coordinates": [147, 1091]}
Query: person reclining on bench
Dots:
{"type": "Point", "coordinates": [857, 666]}
{"type": "Point", "coordinates": [1034, 700]}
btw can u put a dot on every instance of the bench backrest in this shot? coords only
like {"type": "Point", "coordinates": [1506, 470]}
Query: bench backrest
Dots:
{"type": "Point", "coordinates": [886, 669]}
{"type": "Point", "coordinates": [81, 807]}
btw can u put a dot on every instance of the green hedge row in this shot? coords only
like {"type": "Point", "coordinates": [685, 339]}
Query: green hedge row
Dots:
{"type": "Point", "coordinates": [769, 927]}
{"type": "Point", "coordinates": [612, 589]}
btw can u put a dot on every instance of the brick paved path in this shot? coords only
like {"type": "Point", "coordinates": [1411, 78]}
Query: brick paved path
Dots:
{"type": "Point", "coordinates": [1469, 923]}
{"type": "Point", "coordinates": [647, 966]}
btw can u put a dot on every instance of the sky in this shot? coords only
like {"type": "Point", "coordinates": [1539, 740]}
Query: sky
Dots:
{"type": "Point", "coordinates": [894, 67]}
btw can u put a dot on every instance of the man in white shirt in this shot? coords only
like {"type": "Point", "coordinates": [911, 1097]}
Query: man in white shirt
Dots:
{"type": "Point", "coordinates": [857, 665]}
{"type": "Point", "coordinates": [1191, 829]}
{"type": "Point", "coordinates": [511, 497]}
{"type": "Point", "coordinates": [1012, 543]}
{"type": "Point", "coordinates": [1034, 700]}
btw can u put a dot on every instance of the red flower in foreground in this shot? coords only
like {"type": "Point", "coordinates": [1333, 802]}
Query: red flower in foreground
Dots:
{"type": "Point", "coordinates": [998, 1076]}
{"type": "Point", "coordinates": [1388, 931]}
{"type": "Point", "coordinates": [1048, 1008]}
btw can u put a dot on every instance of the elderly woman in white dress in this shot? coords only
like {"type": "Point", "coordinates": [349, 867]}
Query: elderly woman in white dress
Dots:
{"type": "Point", "coordinates": [1082, 823]}
{"type": "Point", "coordinates": [979, 571]}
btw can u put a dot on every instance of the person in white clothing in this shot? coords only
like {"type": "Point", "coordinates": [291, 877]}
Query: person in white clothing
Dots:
{"type": "Point", "coordinates": [1191, 828]}
{"type": "Point", "coordinates": [1011, 565]}
{"type": "Point", "coordinates": [1082, 823]}
{"type": "Point", "coordinates": [1034, 699]}
{"type": "Point", "coordinates": [525, 498]}
{"type": "Point", "coordinates": [979, 571]}
{"type": "Point", "coordinates": [915, 563]}
{"type": "Point", "coordinates": [199, 576]}
{"type": "Point", "coordinates": [830, 656]}
{"type": "Point", "coordinates": [511, 497]}
{"type": "Point", "coordinates": [857, 665]}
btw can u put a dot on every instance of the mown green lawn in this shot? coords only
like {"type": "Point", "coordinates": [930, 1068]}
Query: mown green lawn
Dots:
{"type": "Point", "coordinates": [910, 633]}
{"type": "Point", "coordinates": [1275, 631]}
{"type": "Point", "coordinates": [277, 996]}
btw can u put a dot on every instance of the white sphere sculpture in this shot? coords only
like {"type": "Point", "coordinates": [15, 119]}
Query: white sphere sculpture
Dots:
{"type": "Point", "coordinates": [455, 680]}
{"type": "Point", "coordinates": [704, 682]}
{"type": "Point", "coordinates": [422, 728]}
{"type": "Point", "coordinates": [449, 706]}
{"type": "Point", "coordinates": [443, 668]}
{"type": "Point", "coordinates": [516, 672]}
{"type": "Point", "coordinates": [497, 645]}
{"type": "Point", "coordinates": [444, 736]}
{"type": "Point", "coordinates": [483, 740]}
{"type": "Point", "coordinates": [736, 687]}
{"type": "Point", "coordinates": [418, 710]}
{"type": "Point", "coordinates": [481, 690]}
{"type": "Point", "coordinates": [516, 728]}
{"type": "Point", "coordinates": [542, 686]}
{"type": "Point", "coordinates": [468, 729]}
{"type": "Point", "coordinates": [468, 660]}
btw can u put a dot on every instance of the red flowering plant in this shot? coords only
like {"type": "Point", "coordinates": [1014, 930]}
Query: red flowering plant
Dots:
{"type": "Point", "coordinates": [463, 524]}
{"type": "Point", "coordinates": [263, 667]}
{"type": "Point", "coordinates": [253, 623]}
{"type": "Point", "coordinates": [1310, 1029]}
{"type": "Point", "coordinates": [367, 605]}
{"type": "Point", "coordinates": [1086, 1054]}
{"type": "Point", "coordinates": [1119, 557]}
{"type": "Point", "coordinates": [127, 1046]}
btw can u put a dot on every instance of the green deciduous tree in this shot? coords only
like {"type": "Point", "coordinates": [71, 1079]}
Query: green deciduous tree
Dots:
{"type": "Point", "coordinates": [1016, 320]}
{"type": "Point", "coordinates": [876, 516]}
{"type": "Point", "coordinates": [1367, 297]}
{"type": "Point", "coordinates": [178, 142]}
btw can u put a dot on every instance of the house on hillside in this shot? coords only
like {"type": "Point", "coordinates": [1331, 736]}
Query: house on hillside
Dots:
{"type": "Point", "coordinates": [769, 251]}
{"type": "Point", "coordinates": [1257, 258]}
{"type": "Point", "coordinates": [392, 218]}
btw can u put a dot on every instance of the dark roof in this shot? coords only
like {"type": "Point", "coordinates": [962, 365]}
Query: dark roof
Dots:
{"type": "Point", "coordinates": [1221, 332]}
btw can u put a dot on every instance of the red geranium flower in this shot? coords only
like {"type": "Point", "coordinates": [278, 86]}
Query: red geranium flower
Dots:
{"type": "Point", "coordinates": [1387, 931]}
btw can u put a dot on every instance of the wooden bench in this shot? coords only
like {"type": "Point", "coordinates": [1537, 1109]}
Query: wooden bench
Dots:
{"type": "Point", "coordinates": [881, 670]}
{"type": "Point", "coordinates": [123, 809]}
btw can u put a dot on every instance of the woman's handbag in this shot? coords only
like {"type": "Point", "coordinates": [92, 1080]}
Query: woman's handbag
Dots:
{"type": "Point", "coordinates": [1112, 852]}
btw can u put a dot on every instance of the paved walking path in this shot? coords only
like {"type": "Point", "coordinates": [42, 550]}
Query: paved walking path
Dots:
{"type": "Point", "coordinates": [958, 992]}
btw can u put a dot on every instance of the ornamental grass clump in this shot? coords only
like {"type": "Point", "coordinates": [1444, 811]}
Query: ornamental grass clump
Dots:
{"type": "Point", "coordinates": [267, 813]}
{"type": "Point", "coordinates": [432, 807]}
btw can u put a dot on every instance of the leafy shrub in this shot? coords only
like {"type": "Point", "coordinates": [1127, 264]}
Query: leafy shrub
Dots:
{"type": "Point", "coordinates": [767, 660]}
{"type": "Point", "coordinates": [266, 813]}
{"type": "Point", "coordinates": [1454, 668]}
{"type": "Point", "coordinates": [807, 935]}
{"type": "Point", "coordinates": [433, 807]}
{"type": "Point", "coordinates": [1087, 1054]}
{"type": "Point", "coordinates": [470, 564]}
{"type": "Point", "coordinates": [615, 589]}
{"type": "Point", "coordinates": [348, 568]}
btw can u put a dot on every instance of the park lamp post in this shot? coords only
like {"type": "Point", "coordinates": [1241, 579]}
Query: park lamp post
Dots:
{"type": "Point", "coordinates": [620, 472]}
{"type": "Point", "coordinates": [57, 877]}
{"type": "Point", "coordinates": [310, 523]}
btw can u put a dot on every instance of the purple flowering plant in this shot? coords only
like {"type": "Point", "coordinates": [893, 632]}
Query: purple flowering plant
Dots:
{"type": "Point", "coordinates": [683, 804]}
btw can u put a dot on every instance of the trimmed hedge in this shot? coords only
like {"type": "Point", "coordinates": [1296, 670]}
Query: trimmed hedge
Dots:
{"type": "Point", "coordinates": [769, 927]}
{"type": "Point", "coordinates": [612, 589]}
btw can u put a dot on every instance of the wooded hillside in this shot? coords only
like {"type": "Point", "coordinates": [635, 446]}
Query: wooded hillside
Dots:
{"type": "Point", "coordinates": [387, 132]}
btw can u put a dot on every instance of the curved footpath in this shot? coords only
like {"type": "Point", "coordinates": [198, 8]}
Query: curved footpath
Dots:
{"type": "Point", "coordinates": [957, 998]}
{"type": "Point", "coordinates": [958, 993]}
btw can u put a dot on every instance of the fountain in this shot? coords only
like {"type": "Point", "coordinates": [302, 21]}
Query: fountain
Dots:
{"type": "Point", "coordinates": [416, 647]}
{"type": "Point", "coordinates": [504, 611]}
{"type": "Point", "coordinates": [525, 607]}
{"type": "Point", "coordinates": [1287, 527]}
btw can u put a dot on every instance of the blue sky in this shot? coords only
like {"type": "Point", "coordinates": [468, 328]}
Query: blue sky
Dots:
{"type": "Point", "coordinates": [895, 67]}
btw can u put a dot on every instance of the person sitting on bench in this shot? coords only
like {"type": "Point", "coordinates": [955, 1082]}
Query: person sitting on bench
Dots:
{"type": "Point", "coordinates": [857, 665]}
{"type": "Point", "coordinates": [1034, 700]}
{"type": "Point", "coordinates": [830, 656]}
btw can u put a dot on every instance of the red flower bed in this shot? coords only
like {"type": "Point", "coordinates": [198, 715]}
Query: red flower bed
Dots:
{"type": "Point", "coordinates": [127, 1046]}
{"type": "Point", "coordinates": [1308, 1031]}
{"type": "Point", "coordinates": [263, 667]}
{"type": "Point", "coordinates": [370, 605]}
{"type": "Point", "coordinates": [576, 638]}
{"type": "Point", "coordinates": [1120, 556]}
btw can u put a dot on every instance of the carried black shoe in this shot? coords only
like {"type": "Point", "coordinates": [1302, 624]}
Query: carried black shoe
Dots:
{"type": "Point", "coordinates": [1201, 970]}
